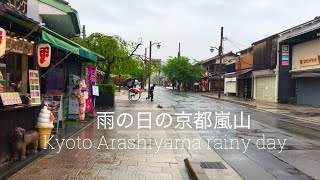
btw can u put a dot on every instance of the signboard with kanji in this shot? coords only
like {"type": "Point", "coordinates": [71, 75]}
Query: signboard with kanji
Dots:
{"type": "Point", "coordinates": [19, 5]}
{"type": "Point", "coordinates": [44, 55]}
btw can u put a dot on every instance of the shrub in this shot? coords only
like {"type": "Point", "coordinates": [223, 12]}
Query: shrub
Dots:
{"type": "Point", "coordinates": [107, 88]}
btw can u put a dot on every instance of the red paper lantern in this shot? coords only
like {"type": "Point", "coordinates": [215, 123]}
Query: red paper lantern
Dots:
{"type": "Point", "coordinates": [3, 43]}
{"type": "Point", "coordinates": [44, 55]}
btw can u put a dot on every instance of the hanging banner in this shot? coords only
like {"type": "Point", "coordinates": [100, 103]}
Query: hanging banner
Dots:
{"type": "Point", "coordinates": [73, 94]}
{"type": "Point", "coordinates": [44, 55]}
{"type": "Point", "coordinates": [91, 79]}
{"type": "Point", "coordinates": [3, 43]}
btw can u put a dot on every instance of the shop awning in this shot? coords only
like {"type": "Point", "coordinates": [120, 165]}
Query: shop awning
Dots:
{"type": "Point", "coordinates": [214, 77]}
{"type": "Point", "coordinates": [237, 73]}
{"type": "Point", "coordinates": [65, 44]}
{"type": "Point", "coordinates": [305, 73]}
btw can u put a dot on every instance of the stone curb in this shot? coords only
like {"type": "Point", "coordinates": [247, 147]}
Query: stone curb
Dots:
{"type": "Point", "coordinates": [194, 170]}
{"type": "Point", "coordinates": [230, 101]}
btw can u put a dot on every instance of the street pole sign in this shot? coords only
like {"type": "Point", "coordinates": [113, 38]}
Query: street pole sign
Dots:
{"type": "Point", "coordinates": [285, 55]}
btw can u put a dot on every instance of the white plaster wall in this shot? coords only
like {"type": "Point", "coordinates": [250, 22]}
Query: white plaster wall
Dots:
{"type": "Point", "coordinates": [303, 51]}
{"type": "Point", "coordinates": [46, 9]}
{"type": "Point", "coordinates": [33, 10]}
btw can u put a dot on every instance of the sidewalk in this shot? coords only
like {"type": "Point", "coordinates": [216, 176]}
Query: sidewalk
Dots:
{"type": "Point", "coordinates": [302, 115]}
{"type": "Point", "coordinates": [155, 162]}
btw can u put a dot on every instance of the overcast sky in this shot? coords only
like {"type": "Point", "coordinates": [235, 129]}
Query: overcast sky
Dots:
{"type": "Point", "coordinates": [194, 23]}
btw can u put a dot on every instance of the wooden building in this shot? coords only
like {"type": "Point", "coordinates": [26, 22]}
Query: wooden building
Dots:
{"type": "Point", "coordinates": [264, 69]}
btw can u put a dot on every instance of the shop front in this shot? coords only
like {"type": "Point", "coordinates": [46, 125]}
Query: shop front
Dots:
{"type": "Point", "coordinates": [265, 85]}
{"type": "Point", "coordinates": [244, 65]}
{"type": "Point", "coordinates": [264, 69]}
{"type": "Point", "coordinates": [239, 83]}
{"type": "Point", "coordinates": [230, 84]}
{"type": "Point", "coordinates": [37, 67]}
{"type": "Point", "coordinates": [306, 72]}
{"type": "Point", "coordinates": [67, 89]}
{"type": "Point", "coordinates": [17, 56]}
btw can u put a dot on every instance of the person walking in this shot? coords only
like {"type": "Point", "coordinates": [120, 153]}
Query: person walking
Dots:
{"type": "Point", "coordinates": [151, 92]}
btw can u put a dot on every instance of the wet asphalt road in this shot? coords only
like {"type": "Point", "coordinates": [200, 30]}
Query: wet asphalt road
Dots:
{"type": "Point", "coordinates": [300, 158]}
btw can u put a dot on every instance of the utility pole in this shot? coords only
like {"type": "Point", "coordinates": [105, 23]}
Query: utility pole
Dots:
{"type": "Point", "coordinates": [150, 51]}
{"type": "Point", "coordinates": [144, 81]}
{"type": "Point", "coordinates": [220, 64]}
{"type": "Point", "coordinates": [84, 35]}
{"type": "Point", "coordinates": [179, 52]}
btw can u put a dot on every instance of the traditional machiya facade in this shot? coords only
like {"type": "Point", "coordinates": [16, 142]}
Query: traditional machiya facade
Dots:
{"type": "Point", "coordinates": [264, 70]}
{"type": "Point", "coordinates": [239, 82]}
{"type": "Point", "coordinates": [210, 80]}
{"type": "Point", "coordinates": [230, 83]}
{"type": "Point", "coordinates": [299, 64]}
{"type": "Point", "coordinates": [244, 67]}
{"type": "Point", "coordinates": [285, 65]}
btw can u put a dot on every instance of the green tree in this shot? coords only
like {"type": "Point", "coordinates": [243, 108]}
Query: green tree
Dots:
{"type": "Point", "coordinates": [181, 70]}
{"type": "Point", "coordinates": [115, 50]}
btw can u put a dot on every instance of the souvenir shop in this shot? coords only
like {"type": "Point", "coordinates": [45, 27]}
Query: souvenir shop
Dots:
{"type": "Point", "coordinates": [37, 67]}
{"type": "Point", "coordinates": [67, 88]}
{"type": "Point", "coordinates": [18, 104]}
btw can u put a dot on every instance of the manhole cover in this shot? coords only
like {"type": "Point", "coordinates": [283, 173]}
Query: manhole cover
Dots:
{"type": "Point", "coordinates": [212, 165]}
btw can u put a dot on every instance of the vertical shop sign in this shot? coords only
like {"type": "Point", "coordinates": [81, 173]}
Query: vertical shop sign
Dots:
{"type": "Point", "coordinates": [285, 55]}
{"type": "Point", "coordinates": [44, 55]}
{"type": "Point", "coordinates": [2, 41]}
{"type": "Point", "coordinates": [91, 79]}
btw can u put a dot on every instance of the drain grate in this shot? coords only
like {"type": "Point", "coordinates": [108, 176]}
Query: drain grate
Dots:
{"type": "Point", "coordinates": [212, 165]}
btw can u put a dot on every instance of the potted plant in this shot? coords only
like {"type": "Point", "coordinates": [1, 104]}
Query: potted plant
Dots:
{"type": "Point", "coordinates": [106, 95]}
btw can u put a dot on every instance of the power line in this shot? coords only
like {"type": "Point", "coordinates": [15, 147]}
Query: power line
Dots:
{"type": "Point", "coordinates": [236, 44]}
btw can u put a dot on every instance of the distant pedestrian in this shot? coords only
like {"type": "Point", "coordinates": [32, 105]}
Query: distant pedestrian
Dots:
{"type": "Point", "coordinates": [151, 92]}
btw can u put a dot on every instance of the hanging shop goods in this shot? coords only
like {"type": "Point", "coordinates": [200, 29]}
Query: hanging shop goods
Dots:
{"type": "Point", "coordinates": [44, 55]}
{"type": "Point", "coordinates": [3, 78]}
{"type": "Point", "coordinates": [34, 87]}
{"type": "Point", "coordinates": [91, 79]}
{"type": "Point", "coordinates": [82, 99]}
{"type": "Point", "coordinates": [3, 43]}
{"type": "Point", "coordinates": [10, 98]}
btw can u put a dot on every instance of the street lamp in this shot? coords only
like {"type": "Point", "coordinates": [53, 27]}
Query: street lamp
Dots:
{"type": "Point", "coordinates": [150, 54]}
{"type": "Point", "coordinates": [212, 48]}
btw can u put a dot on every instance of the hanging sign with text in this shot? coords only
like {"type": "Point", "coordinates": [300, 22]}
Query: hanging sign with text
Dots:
{"type": "Point", "coordinates": [95, 90]}
{"type": "Point", "coordinates": [18, 5]}
{"type": "Point", "coordinates": [310, 61]}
